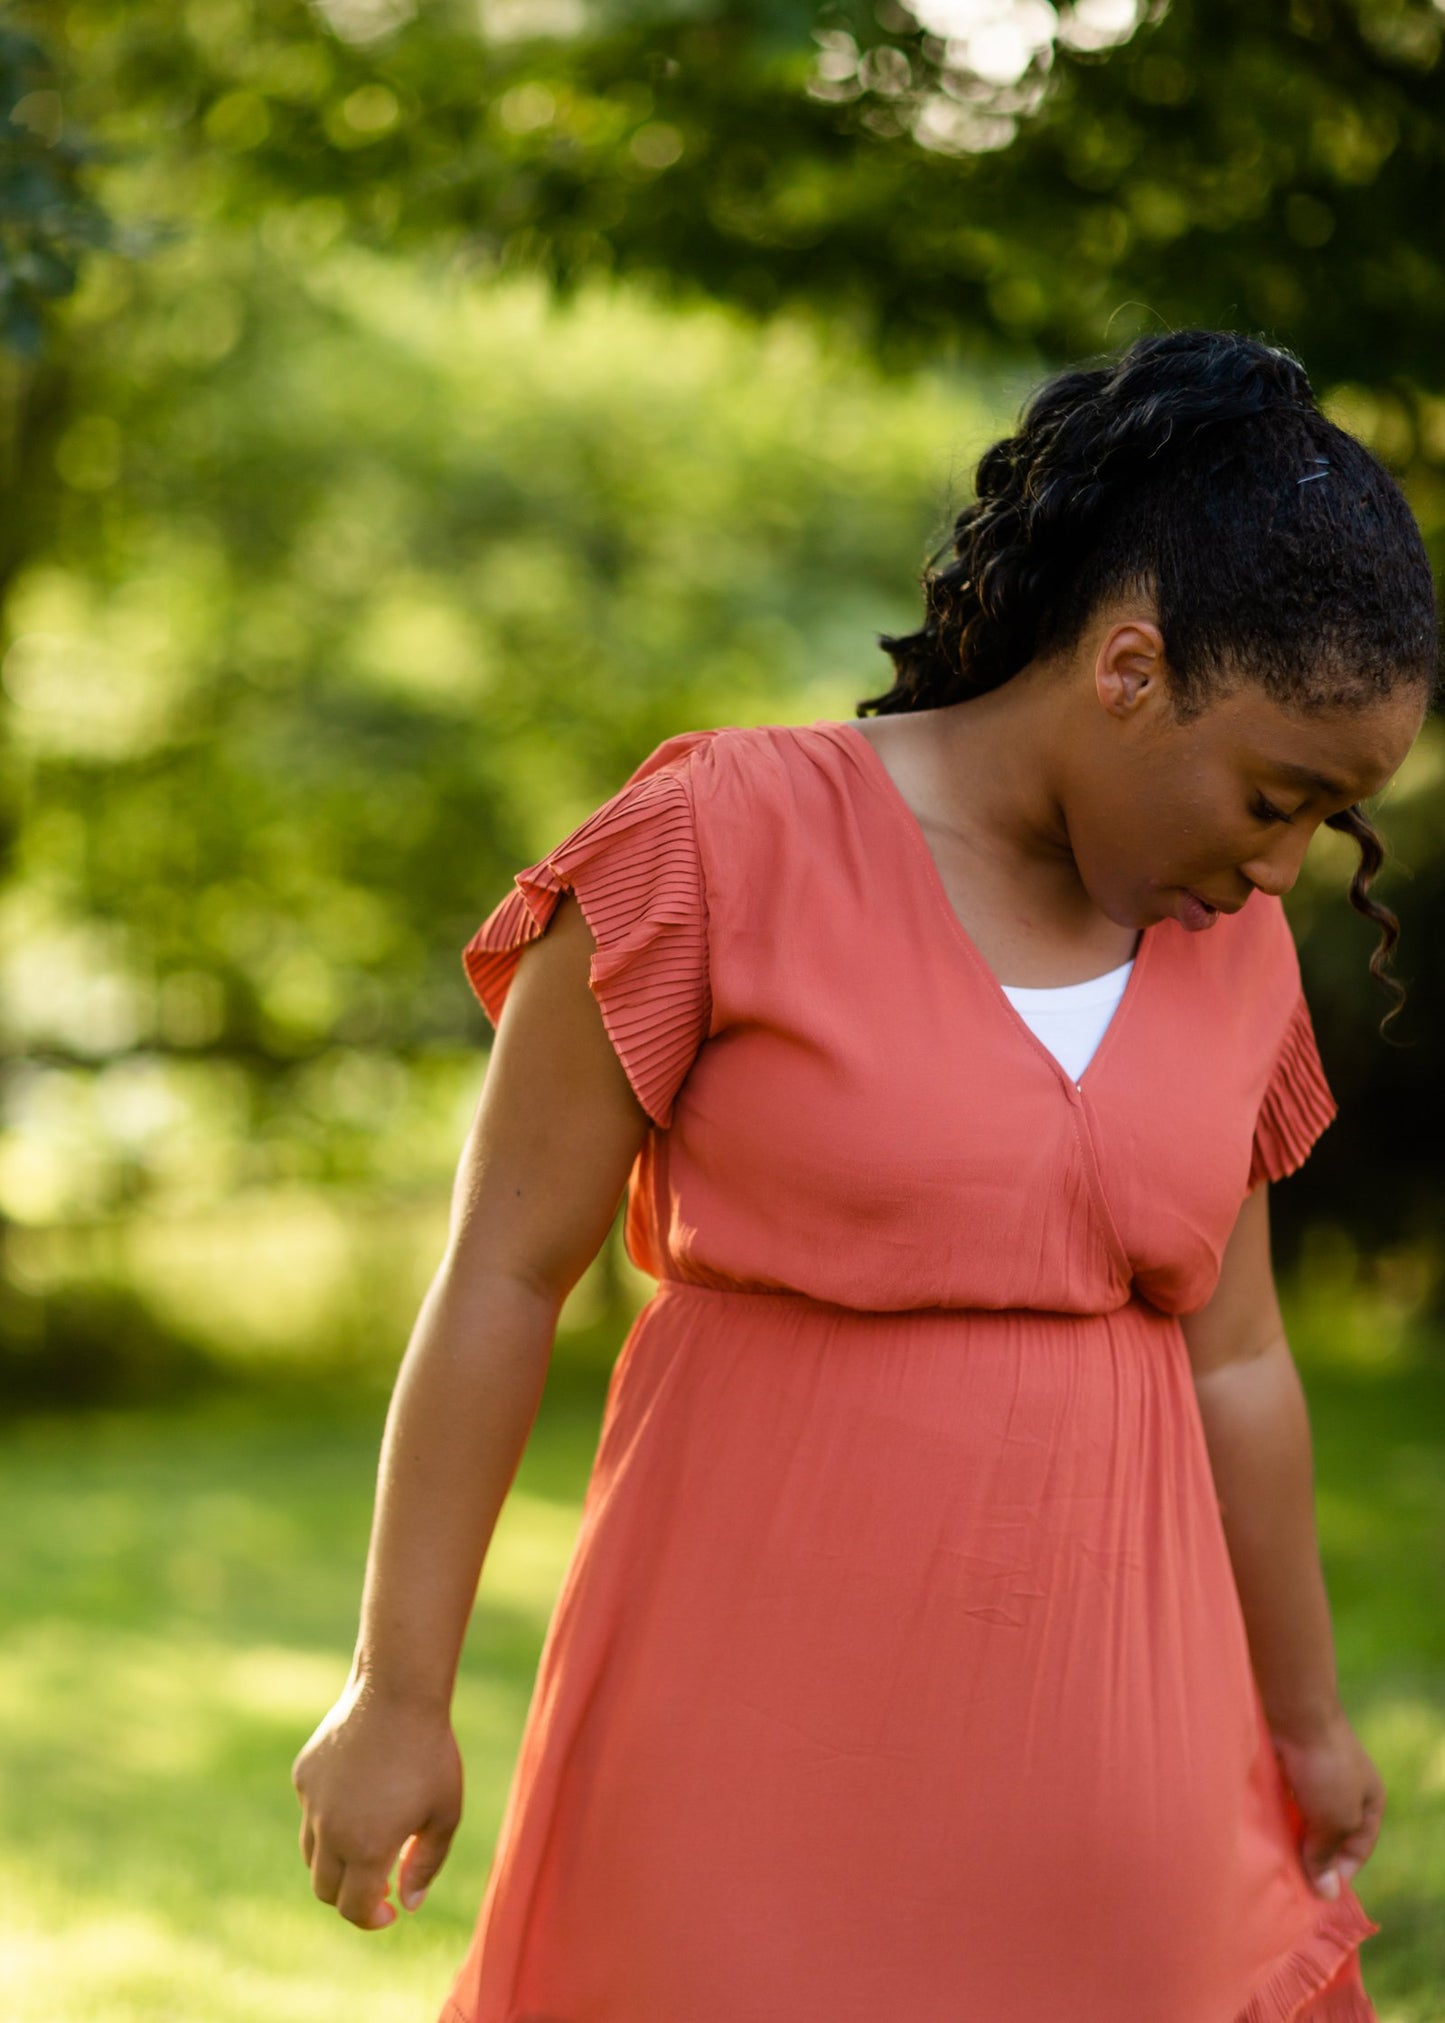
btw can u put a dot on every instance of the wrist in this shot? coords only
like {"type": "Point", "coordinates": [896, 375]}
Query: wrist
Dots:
{"type": "Point", "coordinates": [397, 1690]}
{"type": "Point", "coordinates": [1305, 1722]}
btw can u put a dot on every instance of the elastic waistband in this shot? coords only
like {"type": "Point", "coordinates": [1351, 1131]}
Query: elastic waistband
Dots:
{"type": "Point", "coordinates": [788, 1299]}
{"type": "Point", "coordinates": [780, 1296]}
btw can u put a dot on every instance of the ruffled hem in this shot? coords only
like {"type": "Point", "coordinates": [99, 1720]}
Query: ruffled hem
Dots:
{"type": "Point", "coordinates": [1300, 1985]}
{"type": "Point", "coordinates": [636, 873]}
{"type": "Point", "coordinates": [1297, 1105]}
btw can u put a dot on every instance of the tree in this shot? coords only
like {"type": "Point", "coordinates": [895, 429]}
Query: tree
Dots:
{"type": "Point", "coordinates": [1010, 184]}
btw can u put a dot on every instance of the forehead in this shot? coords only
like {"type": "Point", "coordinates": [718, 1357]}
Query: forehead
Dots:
{"type": "Point", "coordinates": [1340, 754]}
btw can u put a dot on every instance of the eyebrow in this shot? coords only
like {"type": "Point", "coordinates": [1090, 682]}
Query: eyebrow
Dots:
{"type": "Point", "coordinates": [1307, 776]}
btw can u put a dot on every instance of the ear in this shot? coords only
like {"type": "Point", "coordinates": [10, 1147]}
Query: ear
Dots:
{"type": "Point", "coordinates": [1129, 668]}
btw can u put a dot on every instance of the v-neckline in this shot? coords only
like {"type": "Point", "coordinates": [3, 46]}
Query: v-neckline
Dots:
{"type": "Point", "coordinates": [933, 879]}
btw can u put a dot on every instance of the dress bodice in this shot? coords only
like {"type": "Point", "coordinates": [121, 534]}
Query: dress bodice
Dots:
{"type": "Point", "coordinates": [845, 1102]}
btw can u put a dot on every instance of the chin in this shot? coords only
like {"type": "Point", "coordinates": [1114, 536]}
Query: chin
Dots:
{"type": "Point", "coordinates": [1136, 911]}
{"type": "Point", "coordinates": [1159, 902]}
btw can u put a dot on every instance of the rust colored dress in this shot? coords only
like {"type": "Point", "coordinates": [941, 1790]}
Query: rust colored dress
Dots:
{"type": "Point", "coordinates": [899, 1673]}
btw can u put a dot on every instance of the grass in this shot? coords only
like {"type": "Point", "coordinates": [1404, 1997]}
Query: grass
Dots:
{"type": "Point", "coordinates": [180, 1593]}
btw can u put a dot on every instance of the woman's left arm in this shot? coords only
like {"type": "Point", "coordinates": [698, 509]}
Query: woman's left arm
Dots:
{"type": "Point", "coordinates": [1256, 1427]}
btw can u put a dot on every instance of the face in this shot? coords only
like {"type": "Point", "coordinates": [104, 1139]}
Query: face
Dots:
{"type": "Point", "coordinates": [1187, 820]}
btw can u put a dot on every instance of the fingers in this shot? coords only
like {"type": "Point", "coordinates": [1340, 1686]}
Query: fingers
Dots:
{"type": "Point", "coordinates": [1320, 1861]}
{"type": "Point", "coordinates": [1357, 1847]}
{"type": "Point", "coordinates": [421, 1858]}
{"type": "Point", "coordinates": [358, 1889]}
{"type": "Point", "coordinates": [326, 1874]}
{"type": "Point", "coordinates": [1330, 1866]}
{"type": "Point", "coordinates": [361, 1899]}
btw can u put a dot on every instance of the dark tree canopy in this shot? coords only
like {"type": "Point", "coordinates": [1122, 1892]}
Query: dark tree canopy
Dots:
{"type": "Point", "coordinates": [1267, 168]}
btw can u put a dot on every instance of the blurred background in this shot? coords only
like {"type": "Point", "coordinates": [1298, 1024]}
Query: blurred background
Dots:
{"type": "Point", "coordinates": [412, 411]}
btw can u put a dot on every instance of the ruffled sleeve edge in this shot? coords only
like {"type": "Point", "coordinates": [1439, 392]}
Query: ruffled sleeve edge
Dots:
{"type": "Point", "coordinates": [1298, 1103]}
{"type": "Point", "coordinates": [635, 870]}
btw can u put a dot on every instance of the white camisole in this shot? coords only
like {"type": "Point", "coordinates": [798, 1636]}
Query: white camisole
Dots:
{"type": "Point", "coordinates": [1071, 1018]}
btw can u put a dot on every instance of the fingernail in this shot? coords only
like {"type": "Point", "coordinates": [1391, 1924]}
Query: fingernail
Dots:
{"type": "Point", "coordinates": [1347, 1868]}
{"type": "Point", "coordinates": [1328, 1884]}
{"type": "Point", "coordinates": [411, 1898]}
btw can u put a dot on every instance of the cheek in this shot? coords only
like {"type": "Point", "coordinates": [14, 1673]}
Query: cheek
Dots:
{"type": "Point", "coordinates": [1149, 842]}
{"type": "Point", "coordinates": [1131, 833]}
{"type": "Point", "coordinates": [1188, 831]}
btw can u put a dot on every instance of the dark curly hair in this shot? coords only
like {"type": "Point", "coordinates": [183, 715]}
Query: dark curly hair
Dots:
{"type": "Point", "coordinates": [1196, 468]}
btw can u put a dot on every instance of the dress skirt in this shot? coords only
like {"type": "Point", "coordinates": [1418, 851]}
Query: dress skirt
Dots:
{"type": "Point", "coordinates": [899, 1673]}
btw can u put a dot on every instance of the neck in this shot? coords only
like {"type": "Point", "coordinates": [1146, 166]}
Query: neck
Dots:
{"type": "Point", "coordinates": [997, 781]}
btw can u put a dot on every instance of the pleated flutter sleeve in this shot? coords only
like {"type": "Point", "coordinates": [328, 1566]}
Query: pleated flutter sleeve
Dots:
{"type": "Point", "coordinates": [636, 871]}
{"type": "Point", "coordinates": [1298, 1102]}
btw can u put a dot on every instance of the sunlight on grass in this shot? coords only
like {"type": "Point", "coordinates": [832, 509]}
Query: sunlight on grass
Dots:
{"type": "Point", "coordinates": [133, 1967]}
{"type": "Point", "coordinates": [169, 1657]}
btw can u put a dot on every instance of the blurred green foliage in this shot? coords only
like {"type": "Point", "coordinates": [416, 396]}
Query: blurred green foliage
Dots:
{"type": "Point", "coordinates": [48, 219]}
{"type": "Point", "coordinates": [362, 591]}
{"type": "Point", "coordinates": [456, 400]}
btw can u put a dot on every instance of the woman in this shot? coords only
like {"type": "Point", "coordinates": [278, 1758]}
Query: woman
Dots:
{"type": "Point", "coordinates": [945, 1635]}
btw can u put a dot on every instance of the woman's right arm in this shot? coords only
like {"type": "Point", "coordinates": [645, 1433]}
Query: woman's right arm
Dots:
{"type": "Point", "coordinates": [538, 1184]}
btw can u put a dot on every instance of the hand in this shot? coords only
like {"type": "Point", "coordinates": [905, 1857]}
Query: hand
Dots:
{"type": "Point", "coordinates": [1339, 1800]}
{"type": "Point", "coordinates": [377, 1779]}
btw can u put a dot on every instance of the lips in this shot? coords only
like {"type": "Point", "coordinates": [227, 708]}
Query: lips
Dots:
{"type": "Point", "coordinates": [1195, 913]}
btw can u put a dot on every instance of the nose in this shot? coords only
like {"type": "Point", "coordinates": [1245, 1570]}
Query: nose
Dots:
{"type": "Point", "coordinates": [1275, 871]}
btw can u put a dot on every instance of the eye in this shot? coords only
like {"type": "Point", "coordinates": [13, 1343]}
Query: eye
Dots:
{"type": "Point", "coordinates": [1267, 812]}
